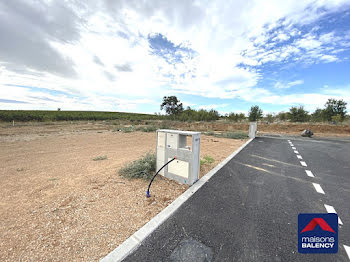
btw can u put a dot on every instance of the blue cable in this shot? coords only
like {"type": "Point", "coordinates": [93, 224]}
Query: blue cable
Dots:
{"type": "Point", "coordinates": [148, 194]}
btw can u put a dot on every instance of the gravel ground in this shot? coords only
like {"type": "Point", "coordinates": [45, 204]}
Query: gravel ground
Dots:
{"type": "Point", "coordinates": [57, 204]}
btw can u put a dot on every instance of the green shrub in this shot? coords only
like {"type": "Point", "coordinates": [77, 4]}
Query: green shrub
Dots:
{"type": "Point", "coordinates": [337, 119]}
{"type": "Point", "coordinates": [147, 128]}
{"type": "Point", "coordinates": [190, 115]}
{"type": "Point", "coordinates": [141, 168]}
{"type": "Point", "coordinates": [209, 133]}
{"type": "Point", "coordinates": [127, 129]}
{"type": "Point", "coordinates": [165, 125]}
{"type": "Point", "coordinates": [234, 135]}
{"type": "Point", "coordinates": [100, 158]}
{"type": "Point", "coordinates": [207, 160]}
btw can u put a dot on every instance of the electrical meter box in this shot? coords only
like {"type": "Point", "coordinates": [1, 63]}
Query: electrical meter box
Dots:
{"type": "Point", "coordinates": [185, 146]}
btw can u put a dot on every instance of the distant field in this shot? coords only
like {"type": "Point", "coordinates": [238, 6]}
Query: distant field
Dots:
{"type": "Point", "coordinates": [128, 122]}
{"type": "Point", "coordinates": [38, 115]}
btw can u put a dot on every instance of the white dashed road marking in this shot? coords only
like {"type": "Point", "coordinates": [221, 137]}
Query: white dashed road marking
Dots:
{"type": "Point", "coordinates": [318, 188]}
{"type": "Point", "coordinates": [331, 209]}
{"type": "Point", "coordinates": [268, 165]}
{"type": "Point", "coordinates": [347, 249]}
{"type": "Point", "coordinates": [309, 173]}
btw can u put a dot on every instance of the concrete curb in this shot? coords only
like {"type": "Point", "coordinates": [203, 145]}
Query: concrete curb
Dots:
{"type": "Point", "coordinates": [129, 245]}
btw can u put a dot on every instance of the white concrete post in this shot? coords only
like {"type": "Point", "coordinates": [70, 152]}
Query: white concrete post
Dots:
{"type": "Point", "coordinates": [253, 127]}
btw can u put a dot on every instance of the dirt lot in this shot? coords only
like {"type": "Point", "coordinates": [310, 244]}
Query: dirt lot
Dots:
{"type": "Point", "coordinates": [57, 204]}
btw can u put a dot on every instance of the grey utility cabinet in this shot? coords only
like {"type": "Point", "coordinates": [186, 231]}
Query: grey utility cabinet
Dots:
{"type": "Point", "coordinates": [185, 145]}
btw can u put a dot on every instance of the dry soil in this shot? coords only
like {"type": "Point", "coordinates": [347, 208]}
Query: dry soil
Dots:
{"type": "Point", "coordinates": [58, 204]}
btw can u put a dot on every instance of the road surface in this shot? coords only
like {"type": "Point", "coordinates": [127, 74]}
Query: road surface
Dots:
{"type": "Point", "coordinates": [248, 211]}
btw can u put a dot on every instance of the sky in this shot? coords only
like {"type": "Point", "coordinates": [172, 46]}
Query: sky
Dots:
{"type": "Point", "coordinates": [217, 54]}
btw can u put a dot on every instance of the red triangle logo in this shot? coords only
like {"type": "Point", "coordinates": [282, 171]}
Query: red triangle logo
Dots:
{"type": "Point", "coordinates": [317, 221]}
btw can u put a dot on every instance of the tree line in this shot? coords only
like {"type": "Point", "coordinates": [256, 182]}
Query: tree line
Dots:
{"type": "Point", "coordinates": [42, 116]}
{"type": "Point", "coordinates": [333, 111]}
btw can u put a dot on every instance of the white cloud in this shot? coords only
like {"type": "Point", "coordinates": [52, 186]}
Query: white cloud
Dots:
{"type": "Point", "coordinates": [113, 62]}
{"type": "Point", "coordinates": [212, 106]}
{"type": "Point", "coordinates": [306, 49]}
{"type": "Point", "coordinates": [308, 43]}
{"type": "Point", "coordinates": [187, 103]}
{"type": "Point", "coordinates": [280, 85]}
{"type": "Point", "coordinates": [27, 99]}
{"type": "Point", "coordinates": [338, 91]}
{"type": "Point", "coordinates": [328, 38]}
{"type": "Point", "coordinates": [311, 101]}
{"type": "Point", "coordinates": [329, 58]}
{"type": "Point", "coordinates": [281, 37]}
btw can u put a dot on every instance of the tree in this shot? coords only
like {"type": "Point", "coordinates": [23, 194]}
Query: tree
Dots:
{"type": "Point", "coordinates": [337, 119]}
{"type": "Point", "coordinates": [236, 117]}
{"type": "Point", "coordinates": [233, 117]}
{"type": "Point", "coordinates": [269, 118]}
{"type": "Point", "coordinates": [213, 115]}
{"type": "Point", "coordinates": [335, 107]}
{"type": "Point", "coordinates": [282, 116]}
{"type": "Point", "coordinates": [241, 117]}
{"type": "Point", "coordinates": [255, 113]}
{"type": "Point", "coordinates": [319, 115]}
{"type": "Point", "coordinates": [298, 114]}
{"type": "Point", "coordinates": [172, 105]}
{"type": "Point", "coordinates": [200, 115]}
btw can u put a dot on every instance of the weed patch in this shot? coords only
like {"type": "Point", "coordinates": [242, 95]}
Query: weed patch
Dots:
{"type": "Point", "coordinates": [231, 135]}
{"type": "Point", "coordinates": [127, 129]}
{"type": "Point", "coordinates": [141, 168]}
{"type": "Point", "coordinates": [235, 135]}
{"type": "Point", "coordinates": [98, 158]}
{"type": "Point", "coordinates": [209, 133]}
{"type": "Point", "coordinates": [206, 161]}
{"type": "Point", "coordinates": [147, 129]}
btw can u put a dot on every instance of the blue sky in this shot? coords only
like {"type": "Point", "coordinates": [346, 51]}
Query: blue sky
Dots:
{"type": "Point", "coordinates": [127, 55]}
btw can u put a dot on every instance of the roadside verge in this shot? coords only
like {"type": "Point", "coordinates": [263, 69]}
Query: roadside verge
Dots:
{"type": "Point", "coordinates": [131, 244]}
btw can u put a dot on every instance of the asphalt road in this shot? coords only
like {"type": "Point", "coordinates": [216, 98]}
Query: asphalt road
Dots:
{"type": "Point", "coordinates": [248, 211]}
